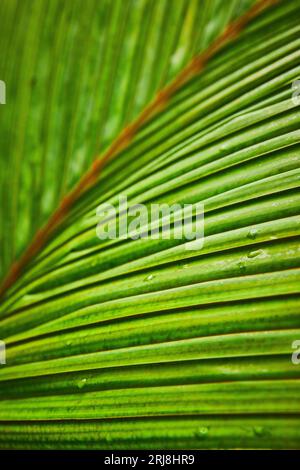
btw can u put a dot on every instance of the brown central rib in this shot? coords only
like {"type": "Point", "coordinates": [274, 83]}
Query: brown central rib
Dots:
{"type": "Point", "coordinates": [125, 137]}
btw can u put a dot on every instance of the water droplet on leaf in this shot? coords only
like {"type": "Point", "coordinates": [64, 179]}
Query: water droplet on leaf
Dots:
{"type": "Point", "coordinates": [81, 383]}
{"type": "Point", "coordinates": [252, 234]}
{"type": "Point", "coordinates": [254, 254]}
{"type": "Point", "coordinates": [202, 432]}
{"type": "Point", "coordinates": [260, 431]}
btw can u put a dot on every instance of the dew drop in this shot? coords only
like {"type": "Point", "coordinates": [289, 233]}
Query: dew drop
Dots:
{"type": "Point", "coordinates": [202, 432]}
{"type": "Point", "coordinates": [252, 234]}
{"type": "Point", "coordinates": [81, 383]}
{"type": "Point", "coordinates": [242, 266]}
{"type": "Point", "coordinates": [149, 278]}
{"type": "Point", "coordinates": [254, 254]}
{"type": "Point", "coordinates": [260, 431]}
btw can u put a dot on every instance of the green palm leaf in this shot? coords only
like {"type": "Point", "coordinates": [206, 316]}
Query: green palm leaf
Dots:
{"type": "Point", "coordinates": [145, 343]}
